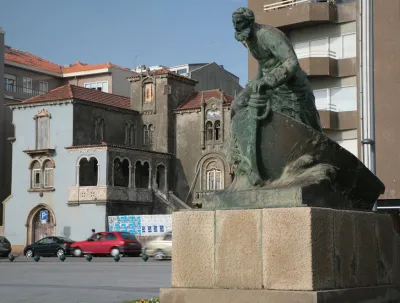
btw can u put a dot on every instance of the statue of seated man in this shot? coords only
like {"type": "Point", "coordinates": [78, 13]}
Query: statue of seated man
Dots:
{"type": "Point", "coordinates": [280, 81]}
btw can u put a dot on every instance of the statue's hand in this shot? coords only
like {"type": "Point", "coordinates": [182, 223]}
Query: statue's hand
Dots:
{"type": "Point", "coordinates": [259, 86]}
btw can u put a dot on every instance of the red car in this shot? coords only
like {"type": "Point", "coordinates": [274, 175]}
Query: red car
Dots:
{"type": "Point", "coordinates": [108, 243]}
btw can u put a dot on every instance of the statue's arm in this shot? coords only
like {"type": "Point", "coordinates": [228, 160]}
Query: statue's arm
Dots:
{"type": "Point", "coordinates": [283, 52]}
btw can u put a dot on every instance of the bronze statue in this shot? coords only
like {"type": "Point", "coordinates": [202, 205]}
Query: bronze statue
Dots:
{"type": "Point", "coordinates": [276, 140]}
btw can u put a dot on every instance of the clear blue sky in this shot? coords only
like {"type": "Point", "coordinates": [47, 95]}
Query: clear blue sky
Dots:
{"type": "Point", "coordinates": [126, 32]}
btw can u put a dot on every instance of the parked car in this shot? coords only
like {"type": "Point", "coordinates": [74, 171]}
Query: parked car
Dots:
{"type": "Point", "coordinates": [161, 247]}
{"type": "Point", "coordinates": [5, 247]}
{"type": "Point", "coordinates": [49, 246]}
{"type": "Point", "coordinates": [108, 243]}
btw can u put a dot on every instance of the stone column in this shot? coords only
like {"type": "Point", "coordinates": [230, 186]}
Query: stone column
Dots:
{"type": "Point", "coordinates": [222, 129]}
{"type": "Point", "coordinates": [150, 177]}
{"type": "Point", "coordinates": [134, 176]}
{"type": "Point", "coordinates": [77, 174]}
{"type": "Point", "coordinates": [98, 174]}
{"type": "Point", "coordinates": [166, 187]}
{"type": "Point", "coordinates": [130, 177]}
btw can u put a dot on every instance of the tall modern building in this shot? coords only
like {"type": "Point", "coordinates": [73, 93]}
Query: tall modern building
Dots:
{"type": "Point", "coordinates": [325, 36]}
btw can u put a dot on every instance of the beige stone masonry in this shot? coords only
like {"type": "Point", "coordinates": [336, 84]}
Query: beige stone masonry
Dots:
{"type": "Point", "coordinates": [299, 249]}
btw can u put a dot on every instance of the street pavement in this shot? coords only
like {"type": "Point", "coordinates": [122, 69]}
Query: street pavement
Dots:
{"type": "Point", "coordinates": [78, 281]}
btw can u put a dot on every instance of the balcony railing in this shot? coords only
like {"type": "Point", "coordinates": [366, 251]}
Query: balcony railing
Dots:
{"type": "Point", "coordinates": [199, 194]}
{"type": "Point", "coordinates": [23, 90]}
{"type": "Point", "coordinates": [79, 194]}
{"type": "Point", "coordinates": [316, 54]}
{"type": "Point", "coordinates": [283, 4]}
{"type": "Point", "coordinates": [331, 107]}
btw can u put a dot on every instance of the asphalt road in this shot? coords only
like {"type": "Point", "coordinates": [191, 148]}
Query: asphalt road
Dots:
{"type": "Point", "coordinates": [78, 281]}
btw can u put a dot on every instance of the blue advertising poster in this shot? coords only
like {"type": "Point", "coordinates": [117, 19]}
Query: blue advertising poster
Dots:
{"type": "Point", "coordinates": [162, 228]}
{"type": "Point", "coordinates": [149, 229]}
{"type": "Point", "coordinates": [155, 228]}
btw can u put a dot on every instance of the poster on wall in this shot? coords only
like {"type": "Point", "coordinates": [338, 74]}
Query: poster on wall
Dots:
{"type": "Point", "coordinates": [144, 225]}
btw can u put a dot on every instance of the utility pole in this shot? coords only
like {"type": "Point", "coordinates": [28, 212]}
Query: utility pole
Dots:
{"type": "Point", "coordinates": [366, 84]}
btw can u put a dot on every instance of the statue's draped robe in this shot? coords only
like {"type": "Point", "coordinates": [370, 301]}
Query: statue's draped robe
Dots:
{"type": "Point", "coordinates": [289, 93]}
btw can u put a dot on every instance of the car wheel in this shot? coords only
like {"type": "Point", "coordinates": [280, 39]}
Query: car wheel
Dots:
{"type": "Point", "coordinates": [77, 252]}
{"type": "Point", "coordinates": [29, 253]}
{"type": "Point", "coordinates": [115, 252]}
{"type": "Point", "coordinates": [159, 255]}
{"type": "Point", "coordinates": [60, 252]}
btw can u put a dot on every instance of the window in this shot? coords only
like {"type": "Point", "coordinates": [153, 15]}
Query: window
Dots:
{"type": "Point", "coordinates": [10, 83]}
{"type": "Point", "coordinates": [42, 175]}
{"type": "Point", "coordinates": [130, 133]}
{"type": "Point", "coordinates": [27, 86]}
{"type": "Point", "coordinates": [100, 86]}
{"type": "Point", "coordinates": [99, 126]}
{"type": "Point", "coordinates": [121, 172]}
{"type": "Point", "coordinates": [127, 236]}
{"type": "Point", "coordinates": [209, 131]}
{"type": "Point", "coordinates": [182, 71]}
{"type": "Point", "coordinates": [217, 129]}
{"type": "Point", "coordinates": [36, 175]}
{"type": "Point", "coordinates": [142, 175]}
{"type": "Point", "coordinates": [213, 179]}
{"type": "Point", "coordinates": [43, 87]}
{"type": "Point", "coordinates": [111, 237]}
{"type": "Point", "coordinates": [338, 47]}
{"type": "Point", "coordinates": [145, 135]}
{"type": "Point", "coordinates": [88, 172]}
{"type": "Point", "coordinates": [42, 132]}
{"type": "Point", "coordinates": [151, 134]}
{"type": "Point", "coordinates": [148, 92]}
{"type": "Point", "coordinates": [336, 99]}
{"type": "Point", "coordinates": [48, 174]}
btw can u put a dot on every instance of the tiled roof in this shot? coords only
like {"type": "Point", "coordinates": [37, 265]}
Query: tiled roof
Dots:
{"type": "Point", "coordinates": [26, 58]}
{"type": "Point", "coordinates": [82, 67]}
{"type": "Point", "coordinates": [194, 100]}
{"type": "Point", "coordinates": [70, 91]}
{"type": "Point", "coordinates": [165, 71]}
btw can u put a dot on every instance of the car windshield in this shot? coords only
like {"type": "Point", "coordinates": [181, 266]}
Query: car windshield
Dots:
{"type": "Point", "coordinates": [127, 236]}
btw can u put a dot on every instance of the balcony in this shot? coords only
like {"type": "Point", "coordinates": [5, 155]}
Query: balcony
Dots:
{"type": "Point", "coordinates": [102, 194]}
{"type": "Point", "coordinates": [199, 194]}
{"type": "Point", "coordinates": [289, 14]}
{"type": "Point", "coordinates": [20, 92]}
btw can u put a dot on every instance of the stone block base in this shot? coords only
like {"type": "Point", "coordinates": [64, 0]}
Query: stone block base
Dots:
{"type": "Point", "coordinates": [378, 294]}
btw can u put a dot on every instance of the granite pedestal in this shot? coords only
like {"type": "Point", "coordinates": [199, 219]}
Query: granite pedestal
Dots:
{"type": "Point", "coordinates": [300, 254]}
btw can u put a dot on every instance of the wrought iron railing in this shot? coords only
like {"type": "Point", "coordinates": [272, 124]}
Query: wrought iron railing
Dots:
{"type": "Point", "coordinates": [23, 90]}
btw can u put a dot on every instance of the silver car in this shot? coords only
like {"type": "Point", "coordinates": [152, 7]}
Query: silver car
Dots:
{"type": "Point", "coordinates": [161, 247]}
{"type": "Point", "coordinates": [5, 247]}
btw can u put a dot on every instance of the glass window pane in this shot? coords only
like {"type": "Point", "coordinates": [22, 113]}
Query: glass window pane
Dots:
{"type": "Point", "coordinates": [335, 46]}
{"type": "Point", "coordinates": [344, 98]}
{"type": "Point", "coordinates": [321, 99]}
{"type": "Point", "coordinates": [302, 49]}
{"type": "Point", "coordinates": [319, 47]}
{"type": "Point", "coordinates": [349, 46]}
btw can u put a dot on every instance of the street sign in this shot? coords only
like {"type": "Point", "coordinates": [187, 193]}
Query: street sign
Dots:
{"type": "Point", "coordinates": [44, 216]}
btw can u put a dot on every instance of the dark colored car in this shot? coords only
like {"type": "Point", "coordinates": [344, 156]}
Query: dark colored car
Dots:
{"type": "Point", "coordinates": [108, 243]}
{"type": "Point", "coordinates": [49, 246]}
{"type": "Point", "coordinates": [5, 247]}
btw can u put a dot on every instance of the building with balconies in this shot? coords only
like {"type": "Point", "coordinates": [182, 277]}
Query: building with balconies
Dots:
{"type": "Point", "coordinates": [326, 38]}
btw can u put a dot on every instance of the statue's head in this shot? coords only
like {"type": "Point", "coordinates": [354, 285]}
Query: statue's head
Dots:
{"type": "Point", "coordinates": [243, 20]}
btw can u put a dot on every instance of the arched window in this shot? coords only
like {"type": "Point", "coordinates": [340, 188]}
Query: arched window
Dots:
{"type": "Point", "coordinates": [148, 92]}
{"type": "Point", "coordinates": [142, 175]}
{"type": "Point", "coordinates": [160, 178]}
{"type": "Point", "coordinates": [145, 135]}
{"type": "Point", "coordinates": [151, 134]}
{"type": "Point", "coordinates": [99, 126]}
{"type": "Point", "coordinates": [132, 134]}
{"type": "Point", "coordinates": [36, 179]}
{"type": "Point", "coordinates": [209, 131]}
{"type": "Point", "coordinates": [121, 172]}
{"type": "Point", "coordinates": [88, 172]}
{"type": "Point", "coordinates": [48, 174]}
{"type": "Point", "coordinates": [213, 179]}
{"type": "Point", "coordinates": [217, 129]}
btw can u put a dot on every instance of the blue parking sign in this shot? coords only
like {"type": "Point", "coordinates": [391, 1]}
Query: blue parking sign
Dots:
{"type": "Point", "coordinates": [149, 229]}
{"type": "Point", "coordinates": [162, 228]}
{"type": "Point", "coordinates": [143, 229]}
{"type": "Point", "coordinates": [155, 228]}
